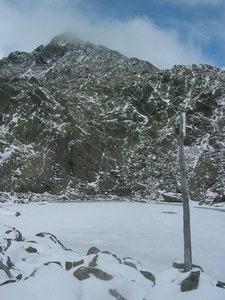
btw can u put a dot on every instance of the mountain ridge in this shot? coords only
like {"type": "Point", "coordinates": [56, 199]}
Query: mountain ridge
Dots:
{"type": "Point", "coordinates": [80, 119]}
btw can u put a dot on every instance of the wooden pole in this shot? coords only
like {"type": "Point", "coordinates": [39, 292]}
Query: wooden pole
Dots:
{"type": "Point", "coordinates": [186, 209]}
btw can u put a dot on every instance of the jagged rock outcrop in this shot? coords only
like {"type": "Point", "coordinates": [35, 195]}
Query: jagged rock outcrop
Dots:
{"type": "Point", "coordinates": [20, 262]}
{"type": "Point", "coordinates": [80, 119]}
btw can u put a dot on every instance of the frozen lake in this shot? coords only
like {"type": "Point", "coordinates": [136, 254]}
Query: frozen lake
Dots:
{"type": "Point", "coordinates": [148, 232]}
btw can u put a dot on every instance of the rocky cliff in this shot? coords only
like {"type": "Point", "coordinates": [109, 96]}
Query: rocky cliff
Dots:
{"type": "Point", "coordinates": [80, 119]}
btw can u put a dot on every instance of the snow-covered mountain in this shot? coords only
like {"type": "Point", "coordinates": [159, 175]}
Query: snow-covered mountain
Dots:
{"type": "Point", "coordinates": [83, 120]}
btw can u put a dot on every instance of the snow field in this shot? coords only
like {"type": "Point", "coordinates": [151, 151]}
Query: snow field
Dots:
{"type": "Point", "coordinates": [149, 233]}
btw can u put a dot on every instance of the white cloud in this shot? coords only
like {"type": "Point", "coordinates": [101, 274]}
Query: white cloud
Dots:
{"type": "Point", "coordinates": [2, 53]}
{"type": "Point", "coordinates": [140, 37]}
{"type": "Point", "coordinates": [24, 29]}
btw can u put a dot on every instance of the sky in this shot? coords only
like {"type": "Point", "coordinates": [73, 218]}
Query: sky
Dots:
{"type": "Point", "coordinates": [163, 32]}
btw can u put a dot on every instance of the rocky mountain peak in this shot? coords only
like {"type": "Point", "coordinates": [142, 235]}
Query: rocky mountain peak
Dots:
{"type": "Point", "coordinates": [80, 119]}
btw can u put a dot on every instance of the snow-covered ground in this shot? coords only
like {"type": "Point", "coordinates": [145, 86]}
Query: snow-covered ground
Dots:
{"type": "Point", "coordinates": [150, 233]}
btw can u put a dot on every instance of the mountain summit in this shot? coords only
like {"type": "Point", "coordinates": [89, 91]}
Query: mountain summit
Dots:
{"type": "Point", "coordinates": [80, 119]}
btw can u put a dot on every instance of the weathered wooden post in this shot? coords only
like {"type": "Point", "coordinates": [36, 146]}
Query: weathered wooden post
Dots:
{"type": "Point", "coordinates": [186, 209]}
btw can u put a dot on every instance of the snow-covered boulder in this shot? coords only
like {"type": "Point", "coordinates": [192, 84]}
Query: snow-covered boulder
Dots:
{"type": "Point", "coordinates": [42, 268]}
{"type": "Point", "coordinates": [43, 261]}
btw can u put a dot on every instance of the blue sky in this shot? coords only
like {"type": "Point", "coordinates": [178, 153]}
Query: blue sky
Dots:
{"type": "Point", "coordinates": [164, 32]}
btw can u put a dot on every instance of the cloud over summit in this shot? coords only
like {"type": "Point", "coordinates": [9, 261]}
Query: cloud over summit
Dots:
{"type": "Point", "coordinates": [24, 25]}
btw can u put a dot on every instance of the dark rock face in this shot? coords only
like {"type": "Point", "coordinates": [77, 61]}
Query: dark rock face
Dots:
{"type": "Point", "coordinates": [68, 265]}
{"type": "Point", "coordinates": [220, 284]}
{"type": "Point", "coordinates": [31, 249]}
{"type": "Point", "coordinates": [53, 238]}
{"type": "Point", "coordinates": [84, 272]}
{"type": "Point", "coordinates": [148, 275]}
{"type": "Point", "coordinates": [93, 250]}
{"type": "Point", "coordinates": [219, 199]}
{"type": "Point", "coordinates": [80, 119]}
{"type": "Point", "coordinates": [93, 263]}
{"type": "Point", "coordinates": [53, 262]}
{"type": "Point", "coordinates": [16, 234]}
{"type": "Point", "coordinates": [172, 197]}
{"type": "Point", "coordinates": [116, 294]}
{"type": "Point", "coordinates": [180, 266]}
{"type": "Point", "coordinates": [191, 282]}
{"type": "Point", "coordinates": [8, 281]}
{"type": "Point", "coordinates": [5, 268]}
